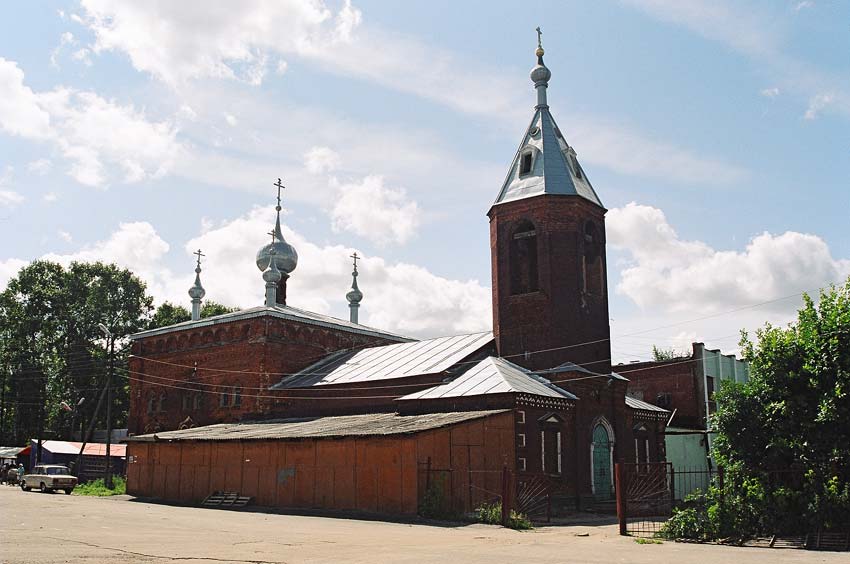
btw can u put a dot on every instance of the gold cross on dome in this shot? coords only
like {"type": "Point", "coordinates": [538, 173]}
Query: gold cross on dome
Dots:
{"type": "Point", "coordinates": [539, 38]}
{"type": "Point", "coordinates": [273, 235]}
{"type": "Point", "coordinates": [355, 256]}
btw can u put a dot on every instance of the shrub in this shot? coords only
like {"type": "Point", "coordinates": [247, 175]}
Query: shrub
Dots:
{"type": "Point", "coordinates": [98, 488]}
{"type": "Point", "coordinates": [491, 514]}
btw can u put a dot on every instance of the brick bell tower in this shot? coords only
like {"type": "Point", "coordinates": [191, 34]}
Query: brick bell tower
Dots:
{"type": "Point", "coordinates": [547, 244]}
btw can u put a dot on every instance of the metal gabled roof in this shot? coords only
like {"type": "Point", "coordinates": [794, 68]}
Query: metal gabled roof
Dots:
{"type": "Point", "coordinates": [492, 375]}
{"type": "Point", "coordinates": [340, 426]}
{"type": "Point", "coordinates": [555, 168]}
{"type": "Point", "coordinates": [431, 356]}
{"type": "Point", "coordinates": [638, 404]}
{"type": "Point", "coordinates": [280, 312]}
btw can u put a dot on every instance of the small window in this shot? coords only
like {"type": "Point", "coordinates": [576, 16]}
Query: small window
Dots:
{"type": "Point", "coordinates": [525, 163]}
{"type": "Point", "coordinates": [187, 401]}
{"type": "Point", "coordinates": [520, 440]}
{"type": "Point", "coordinates": [521, 463]}
{"type": "Point", "coordinates": [520, 416]}
{"type": "Point", "coordinates": [237, 396]}
{"type": "Point", "coordinates": [151, 404]}
{"type": "Point", "coordinates": [162, 402]}
{"type": "Point", "coordinates": [197, 401]}
{"type": "Point", "coordinates": [224, 399]}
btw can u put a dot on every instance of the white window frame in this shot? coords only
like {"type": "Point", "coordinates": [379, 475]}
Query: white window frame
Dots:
{"type": "Point", "coordinates": [520, 440]}
{"type": "Point", "coordinates": [521, 463]}
{"type": "Point", "coordinates": [520, 416]}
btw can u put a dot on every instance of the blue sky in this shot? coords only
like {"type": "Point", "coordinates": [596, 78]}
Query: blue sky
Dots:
{"type": "Point", "coordinates": [714, 132]}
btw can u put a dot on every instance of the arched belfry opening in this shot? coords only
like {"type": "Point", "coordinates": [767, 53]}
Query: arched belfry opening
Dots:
{"type": "Point", "coordinates": [523, 258]}
{"type": "Point", "coordinates": [593, 278]}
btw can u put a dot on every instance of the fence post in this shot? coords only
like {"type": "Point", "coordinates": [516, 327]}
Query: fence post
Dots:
{"type": "Point", "coordinates": [620, 486]}
{"type": "Point", "coordinates": [506, 506]}
{"type": "Point", "coordinates": [672, 484]}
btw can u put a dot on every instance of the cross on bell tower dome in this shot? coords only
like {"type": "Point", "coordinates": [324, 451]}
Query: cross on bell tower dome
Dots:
{"type": "Point", "coordinates": [547, 243]}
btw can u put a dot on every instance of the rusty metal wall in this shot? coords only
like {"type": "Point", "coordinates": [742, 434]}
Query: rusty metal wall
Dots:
{"type": "Point", "coordinates": [379, 475]}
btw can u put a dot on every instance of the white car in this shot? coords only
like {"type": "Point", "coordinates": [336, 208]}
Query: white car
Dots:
{"type": "Point", "coordinates": [49, 477]}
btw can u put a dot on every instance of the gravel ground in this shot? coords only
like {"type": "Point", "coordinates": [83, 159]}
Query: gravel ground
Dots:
{"type": "Point", "coordinates": [45, 529]}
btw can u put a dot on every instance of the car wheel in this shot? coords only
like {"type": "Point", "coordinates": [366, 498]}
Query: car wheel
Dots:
{"type": "Point", "coordinates": [45, 489]}
{"type": "Point", "coordinates": [24, 487]}
{"type": "Point", "coordinates": [68, 492]}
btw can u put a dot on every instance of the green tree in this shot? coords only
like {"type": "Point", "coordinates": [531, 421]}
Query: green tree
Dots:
{"type": "Point", "coordinates": [211, 308]}
{"type": "Point", "coordinates": [52, 349]}
{"type": "Point", "coordinates": [661, 354]}
{"type": "Point", "coordinates": [786, 433]}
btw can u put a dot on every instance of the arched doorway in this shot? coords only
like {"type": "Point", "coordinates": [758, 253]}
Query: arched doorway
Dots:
{"type": "Point", "coordinates": [601, 454]}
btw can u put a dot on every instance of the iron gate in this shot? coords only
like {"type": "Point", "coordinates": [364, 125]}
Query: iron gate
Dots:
{"type": "Point", "coordinates": [644, 496]}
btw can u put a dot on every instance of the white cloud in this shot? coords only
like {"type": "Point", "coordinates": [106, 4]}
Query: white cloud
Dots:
{"type": "Point", "coordinates": [10, 198]}
{"type": "Point", "coordinates": [373, 211]}
{"type": "Point", "coordinates": [231, 120]}
{"type": "Point", "coordinates": [675, 275]}
{"type": "Point", "coordinates": [770, 92]}
{"type": "Point", "coordinates": [20, 112]}
{"type": "Point", "coordinates": [321, 159]}
{"type": "Point", "coordinates": [9, 269]}
{"type": "Point", "coordinates": [65, 236]}
{"type": "Point", "coordinates": [50, 197]}
{"type": "Point", "coordinates": [40, 166]}
{"type": "Point", "coordinates": [168, 40]}
{"type": "Point", "coordinates": [803, 5]}
{"type": "Point", "coordinates": [93, 133]}
{"type": "Point", "coordinates": [817, 104]}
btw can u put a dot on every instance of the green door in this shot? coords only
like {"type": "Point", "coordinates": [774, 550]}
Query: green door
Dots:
{"type": "Point", "coordinates": [601, 463]}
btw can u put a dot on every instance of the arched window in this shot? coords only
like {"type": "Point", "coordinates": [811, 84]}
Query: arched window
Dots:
{"type": "Point", "coordinates": [641, 435]}
{"type": "Point", "coordinates": [593, 281]}
{"type": "Point", "coordinates": [187, 401]}
{"type": "Point", "coordinates": [237, 396]}
{"type": "Point", "coordinates": [224, 398]}
{"type": "Point", "coordinates": [197, 404]}
{"type": "Point", "coordinates": [550, 444]}
{"type": "Point", "coordinates": [523, 258]}
{"type": "Point", "coordinates": [162, 400]}
{"type": "Point", "coordinates": [151, 404]}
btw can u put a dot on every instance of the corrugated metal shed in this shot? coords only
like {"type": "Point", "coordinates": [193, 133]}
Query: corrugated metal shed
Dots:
{"type": "Point", "coordinates": [374, 424]}
{"type": "Point", "coordinates": [91, 449]}
{"type": "Point", "coordinates": [638, 404]}
{"type": "Point", "coordinates": [431, 356]}
{"type": "Point", "coordinates": [281, 312]}
{"type": "Point", "coordinates": [11, 452]}
{"type": "Point", "coordinates": [493, 376]}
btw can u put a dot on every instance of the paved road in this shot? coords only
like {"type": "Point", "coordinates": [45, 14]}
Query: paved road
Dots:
{"type": "Point", "coordinates": [45, 529]}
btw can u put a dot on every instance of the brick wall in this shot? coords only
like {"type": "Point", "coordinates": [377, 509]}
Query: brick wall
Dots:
{"type": "Point", "coordinates": [562, 313]}
{"type": "Point", "coordinates": [675, 380]}
{"type": "Point", "coordinates": [162, 374]}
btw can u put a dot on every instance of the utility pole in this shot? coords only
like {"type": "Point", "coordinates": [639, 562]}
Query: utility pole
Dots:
{"type": "Point", "coordinates": [107, 476]}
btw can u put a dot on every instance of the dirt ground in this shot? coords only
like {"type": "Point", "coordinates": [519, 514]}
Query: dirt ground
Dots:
{"type": "Point", "coordinates": [53, 528]}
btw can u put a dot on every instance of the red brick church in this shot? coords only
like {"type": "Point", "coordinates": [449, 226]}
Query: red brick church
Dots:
{"type": "Point", "coordinates": [298, 409]}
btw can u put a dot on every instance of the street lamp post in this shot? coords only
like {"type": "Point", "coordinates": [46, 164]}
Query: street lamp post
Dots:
{"type": "Point", "coordinates": [107, 476]}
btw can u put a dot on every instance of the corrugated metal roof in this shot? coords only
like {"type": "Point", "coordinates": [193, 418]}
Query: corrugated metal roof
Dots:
{"type": "Point", "coordinates": [431, 356]}
{"type": "Point", "coordinates": [374, 424]}
{"type": "Point", "coordinates": [11, 452]}
{"type": "Point", "coordinates": [638, 404]}
{"type": "Point", "coordinates": [492, 376]}
{"type": "Point", "coordinates": [281, 312]}
{"type": "Point", "coordinates": [92, 449]}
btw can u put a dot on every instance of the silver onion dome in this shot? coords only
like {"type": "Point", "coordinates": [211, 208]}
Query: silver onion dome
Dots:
{"type": "Point", "coordinates": [540, 74]}
{"type": "Point", "coordinates": [285, 256]}
{"type": "Point", "coordinates": [196, 292]}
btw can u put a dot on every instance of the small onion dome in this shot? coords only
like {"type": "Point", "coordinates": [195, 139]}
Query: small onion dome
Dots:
{"type": "Point", "coordinates": [196, 292]}
{"type": "Point", "coordinates": [540, 74]}
{"type": "Point", "coordinates": [354, 296]}
{"type": "Point", "coordinates": [272, 275]}
{"type": "Point", "coordinates": [285, 256]}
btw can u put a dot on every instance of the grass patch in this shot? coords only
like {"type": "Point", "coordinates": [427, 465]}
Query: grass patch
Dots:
{"type": "Point", "coordinates": [641, 540]}
{"type": "Point", "coordinates": [491, 514]}
{"type": "Point", "coordinates": [99, 489]}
